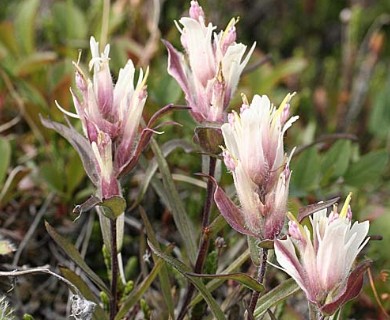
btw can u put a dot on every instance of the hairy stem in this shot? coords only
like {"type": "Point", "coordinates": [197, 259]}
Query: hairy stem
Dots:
{"type": "Point", "coordinates": [205, 238]}
{"type": "Point", "coordinates": [114, 270]}
{"type": "Point", "coordinates": [260, 279]}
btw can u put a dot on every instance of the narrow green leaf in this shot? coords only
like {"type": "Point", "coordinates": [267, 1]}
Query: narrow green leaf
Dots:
{"type": "Point", "coordinates": [74, 278]}
{"type": "Point", "coordinates": [5, 151]}
{"type": "Point", "coordinates": [367, 169]}
{"type": "Point", "coordinates": [166, 149]}
{"type": "Point", "coordinates": [163, 275]}
{"type": "Point", "coordinates": [72, 252]}
{"type": "Point", "coordinates": [242, 278]}
{"type": "Point", "coordinates": [8, 190]}
{"type": "Point", "coordinates": [24, 25]}
{"type": "Point", "coordinates": [7, 37]}
{"type": "Point", "coordinates": [276, 295]}
{"type": "Point", "coordinates": [137, 293]}
{"type": "Point", "coordinates": [34, 62]}
{"type": "Point", "coordinates": [180, 216]}
{"type": "Point", "coordinates": [379, 117]}
{"type": "Point", "coordinates": [184, 270]}
{"type": "Point", "coordinates": [216, 283]}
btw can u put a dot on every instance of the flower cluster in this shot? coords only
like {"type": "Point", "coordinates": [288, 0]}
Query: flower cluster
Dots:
{"type": "Point", "coordinates": [322, 267]}
{"type": "Point", "coordinates": [214, 65]}
{"type": "Point", "coordinates": [255, 156]}
{"type": "Point", "coordinates": [110, 117]}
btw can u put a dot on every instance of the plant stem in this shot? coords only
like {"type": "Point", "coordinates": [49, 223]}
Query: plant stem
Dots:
{"type": "Point", "coordinates": [205, 238]}
{"type": "Point", "coordinates": [114, 270]}
{"type": "Point", "coordinates": [260, 279]}
{"type": "Point", "coordinates": [312, 311]}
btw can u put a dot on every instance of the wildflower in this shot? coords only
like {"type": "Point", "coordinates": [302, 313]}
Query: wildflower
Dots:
{"type": "Point", "coordinates": [214, 65]}
{"type": "Point", "coordinates": [110, 116]}
{"type": "Point", "coordinates": [255, 156]}
{"type": "Point", "coordinates": [322, 267]}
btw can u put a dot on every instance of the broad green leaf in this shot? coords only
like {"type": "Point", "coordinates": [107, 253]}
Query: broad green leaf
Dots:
{"type": "Point", "coordinates": [8, 190]}
{"type": "Point", "coordinates": [306, 170]}
{"type": "Point", "coordinates": [25, 25]}
{"type": "Point", "coordinates": [367, 169]}
{"type": "Point", "coordinates": [72, 252]}
{"type": "Point", "coordinates": [163, 276]}
{"type": "Point", "coordinates": [138, 292]}
{"type": "Point", "coordinates": [184, 270]}
{"type": "Point", "coordinates": [275, 296]}
{"type": "Point", "coordinates": [74, 278]}
{"type": "Point", "coordinates": [70, 22]}
{"type": "Point", "coordinates": [5, 151]}
{"type": "Point", "coordinates": [265, 78]}
{"type": "Point", "coordinates": [113, 206]}
{"type": "Point", "coordinates": [180, 216]}
{"type": "Point", "coordinates": [242, 278]}
{"type": "Point", "coordinates": [380, 115]}
{"type": "Point", "coordinates": [336, 160]}
{"type": "Point", "coordinates": [53, 176]}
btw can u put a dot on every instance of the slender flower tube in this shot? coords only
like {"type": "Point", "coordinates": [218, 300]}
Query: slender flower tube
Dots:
{"type": "Point", "coordinates": [321, 260]}
{"type": "Point", "coordinates": [255, 156]}
{"type": "Point", "coordinates": [214, 64]}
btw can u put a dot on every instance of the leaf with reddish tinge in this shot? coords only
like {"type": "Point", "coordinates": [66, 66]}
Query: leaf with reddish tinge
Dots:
{"type": "Point", "coordinates": [229, 210]}
{"type": "Point", "coordinates": [352, 289]}
{"type": "Point", "coordinates": [312, 208]}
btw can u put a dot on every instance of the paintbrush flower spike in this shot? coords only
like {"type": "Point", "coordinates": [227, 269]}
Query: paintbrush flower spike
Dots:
{"type": "Point", "coordinates": [255, 156]}
{"type": "Point", "coordinates": [211, 68]}
{"type": "Point", "coordinates": [321, 260]}
{"type": "Point", "coordinates": [110, 116]}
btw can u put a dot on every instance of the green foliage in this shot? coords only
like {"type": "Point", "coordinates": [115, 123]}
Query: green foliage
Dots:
{"type": "Point", "coordinates": [5, 151]}
{"type": "Point", "coordinates": [280, 293]}
{"type": "Point", "coordinates": [368, 169]}
{"type": "Point", "coordinates": [306, 173]}
{"type": "Point", "coordinates": [73, 254]}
